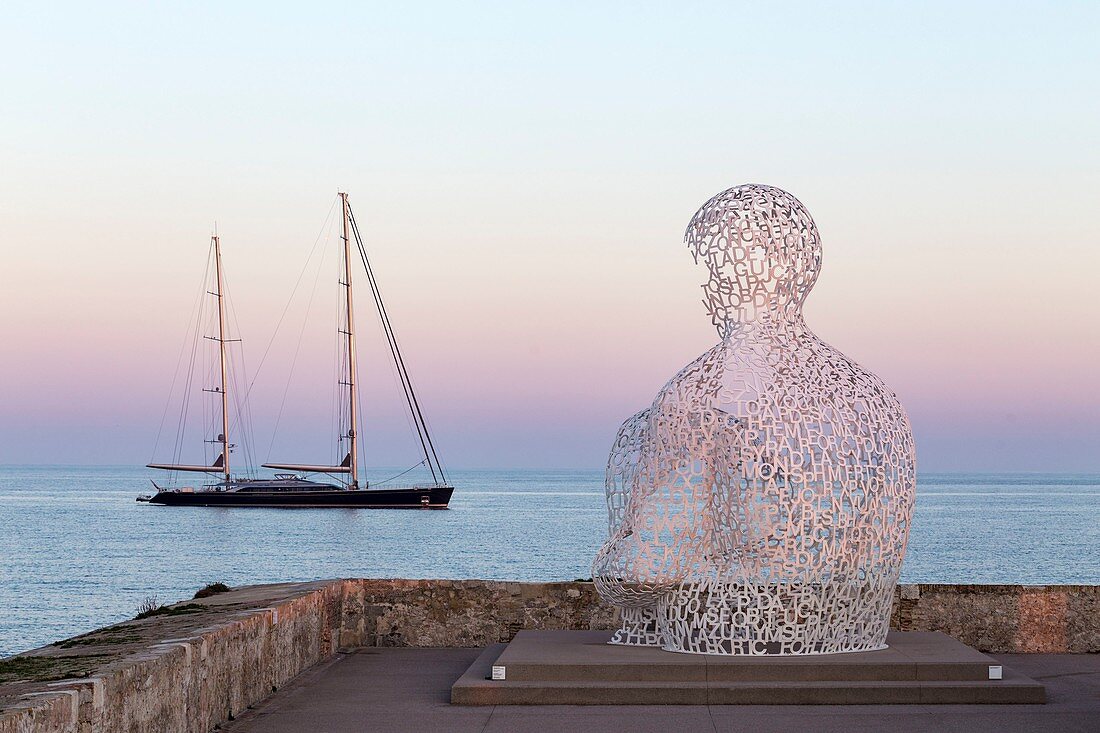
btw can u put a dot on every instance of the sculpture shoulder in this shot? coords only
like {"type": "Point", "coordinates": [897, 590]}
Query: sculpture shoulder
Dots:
{"type": "Point", "coordinates": [629, 440]}
{"type": "Point", "coordinates": [703, 374]}
{"type": "Point", "coordinates": [632, 424]}
{"type": "Point", "coordinates": [854, 382]}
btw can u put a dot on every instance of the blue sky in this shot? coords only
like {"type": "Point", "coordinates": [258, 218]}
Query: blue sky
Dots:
{"type": "Point", "coordinates": [525, 172]}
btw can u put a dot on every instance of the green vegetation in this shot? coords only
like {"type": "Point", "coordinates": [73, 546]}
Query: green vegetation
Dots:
{"type": "Point", "coordinates": [102, 637]}
{"type": "Point", "coordinates": [173, 610]}
{"type": "Point", "coordinates": [48, 669]}
{"type": "Point", "coordinates": [150, 604]}
{"type": "Point", "coordinates": [212, 589]}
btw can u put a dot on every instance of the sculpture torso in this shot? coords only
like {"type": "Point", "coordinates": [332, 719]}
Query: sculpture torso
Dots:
{"type": "Point", "coordinates": [761, 505]}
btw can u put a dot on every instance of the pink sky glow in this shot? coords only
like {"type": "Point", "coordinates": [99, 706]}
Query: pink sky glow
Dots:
{"type": "Point", "coordinates": [523, 184]}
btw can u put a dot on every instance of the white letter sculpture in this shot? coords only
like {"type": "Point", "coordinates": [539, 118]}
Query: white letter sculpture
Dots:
{"type": "Point", "coordinates": [761, 504]}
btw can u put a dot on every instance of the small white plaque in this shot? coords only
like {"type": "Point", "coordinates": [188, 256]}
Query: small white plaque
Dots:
{"type": "Point", "coordinates": [498, 673]}
{"type": "Point", "coordinates": [995, 672]}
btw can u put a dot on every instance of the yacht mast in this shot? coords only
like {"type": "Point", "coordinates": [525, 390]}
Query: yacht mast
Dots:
{"type": "Point", "coordinates": [349, 331]}
{"type": "Point", "coordinates": [224, 437]}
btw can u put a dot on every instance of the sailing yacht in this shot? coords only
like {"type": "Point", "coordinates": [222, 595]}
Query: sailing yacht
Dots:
{"type": "Point", "coordinates": [292, 486]}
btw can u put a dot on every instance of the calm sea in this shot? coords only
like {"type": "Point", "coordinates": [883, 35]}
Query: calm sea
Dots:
{"type": "Point", "coordinates": [77, 552]}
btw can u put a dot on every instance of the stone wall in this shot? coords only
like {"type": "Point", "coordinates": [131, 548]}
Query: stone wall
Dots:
{"type": "Point", "coordinates": [188, 672]}
{"type": "Point", "coordinates": [991, 618]}
{"type": "Point", "coordinates": [191, 672]}
{"type": "Point", "coordinates": [470, 613]}
{"type": "Point", "coordinates": [1023, 619]}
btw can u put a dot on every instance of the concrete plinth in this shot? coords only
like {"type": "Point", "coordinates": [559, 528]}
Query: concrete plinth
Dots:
{"type": "Point", "coordinates": [581, 668]}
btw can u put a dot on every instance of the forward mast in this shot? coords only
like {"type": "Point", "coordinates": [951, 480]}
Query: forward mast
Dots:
{"type": "Point", "coordinates": [224, 437]}
{"type": "Point", "coordinates": [221, 464]}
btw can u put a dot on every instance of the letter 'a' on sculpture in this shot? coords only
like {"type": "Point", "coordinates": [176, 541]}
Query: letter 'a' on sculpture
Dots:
{"type": "Point", "coordinates": [761, 504]}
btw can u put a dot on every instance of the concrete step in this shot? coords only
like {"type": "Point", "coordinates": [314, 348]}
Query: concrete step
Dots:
{"type": "Point", "coordinates": [585, 655]}
{"type": "Point", "coordinates": [579, 668]}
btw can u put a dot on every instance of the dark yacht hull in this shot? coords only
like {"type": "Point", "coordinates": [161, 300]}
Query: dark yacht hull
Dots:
{"type": "Point", "coordinates": [434, 497]}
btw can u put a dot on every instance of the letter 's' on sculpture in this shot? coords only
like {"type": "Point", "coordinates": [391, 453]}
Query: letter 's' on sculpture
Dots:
{"type": "Point", "coordinates": [761, 504]}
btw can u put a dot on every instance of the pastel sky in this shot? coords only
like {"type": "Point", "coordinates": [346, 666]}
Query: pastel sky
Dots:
{"type": "Point", "coordinates": [523, 173]}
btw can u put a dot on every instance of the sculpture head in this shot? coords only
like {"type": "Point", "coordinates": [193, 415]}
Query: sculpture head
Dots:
{"type": "Point", "coordinates": [762, 251]}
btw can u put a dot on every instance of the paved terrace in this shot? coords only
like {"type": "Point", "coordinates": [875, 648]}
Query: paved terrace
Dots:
{"type": "Point", "coordinates": [409, 690]}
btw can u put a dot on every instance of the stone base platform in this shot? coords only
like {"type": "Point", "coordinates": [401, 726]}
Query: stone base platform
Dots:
{"type": "Point", "coordinates": [581, 668]}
